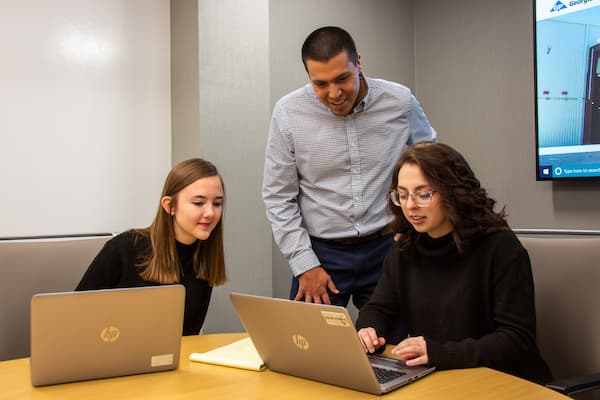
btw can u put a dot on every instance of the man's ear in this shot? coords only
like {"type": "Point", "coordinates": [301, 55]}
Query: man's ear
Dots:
{"type": "Point", "coordinates": [358, 62]}
{"type": "Point", "coordinates": [165, 202]}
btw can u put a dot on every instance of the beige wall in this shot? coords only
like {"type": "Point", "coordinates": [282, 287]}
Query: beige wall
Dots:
{"type": "Point", "coordinates": [185, 88]}
{"type": "Point", "coordinates": [220, 112]}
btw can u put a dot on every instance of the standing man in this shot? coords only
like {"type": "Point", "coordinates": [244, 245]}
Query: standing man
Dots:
{"type": "Point", "coordinates": [330, 153]}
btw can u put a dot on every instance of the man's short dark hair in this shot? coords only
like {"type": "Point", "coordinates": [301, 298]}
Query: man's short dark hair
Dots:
{"type": "Point", "coordinates": [327, 42]}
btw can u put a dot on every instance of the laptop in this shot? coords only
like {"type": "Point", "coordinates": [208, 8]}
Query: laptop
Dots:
{"type": "Point", "coordinates": [318, 342]}
{"type": "Point", "coordinates": [77, 336]}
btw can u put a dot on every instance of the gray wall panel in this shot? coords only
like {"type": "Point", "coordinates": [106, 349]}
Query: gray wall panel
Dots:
{"type": "Point", "coordinates": [474, 68]}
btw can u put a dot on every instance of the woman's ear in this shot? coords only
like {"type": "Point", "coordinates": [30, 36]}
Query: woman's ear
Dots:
{"type": "Point", "coordinates": [166, 203]}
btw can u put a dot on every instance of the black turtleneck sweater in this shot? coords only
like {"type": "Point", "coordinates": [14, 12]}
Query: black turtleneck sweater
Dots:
{"type": "Point", "coordinates": [114, 267]}
{"type": "Point", "coordinates": [473, 309]}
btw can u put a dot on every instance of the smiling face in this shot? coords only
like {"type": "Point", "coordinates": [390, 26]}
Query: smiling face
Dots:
{"type": "Point", "coordinates": [196, 209]}
{"type": "Point", "coordinates": [337, 83]}
{"type": "Point", "coordinates": [432, 219]}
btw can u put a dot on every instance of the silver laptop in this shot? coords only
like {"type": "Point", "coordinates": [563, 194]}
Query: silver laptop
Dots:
{"type": "Point", "coordinates": [78, 336]}
{"type": "Point", "coordinates": [318, 342]}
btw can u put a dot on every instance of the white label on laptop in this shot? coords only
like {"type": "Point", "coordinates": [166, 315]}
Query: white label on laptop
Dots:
{"type": "Point", "coordinates": [160, 360]}
{"type": "Point", "coordinates": [335, 318]}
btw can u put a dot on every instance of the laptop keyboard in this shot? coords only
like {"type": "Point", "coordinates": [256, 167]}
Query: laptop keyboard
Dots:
{"type": "Point", "coordinates": [385, 375]}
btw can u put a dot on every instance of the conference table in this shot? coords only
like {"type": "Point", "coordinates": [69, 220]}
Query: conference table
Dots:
{"type": "Point", "coordinates": [194, 380]}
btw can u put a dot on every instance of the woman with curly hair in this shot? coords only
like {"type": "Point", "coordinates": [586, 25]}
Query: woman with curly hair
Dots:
{"type": "Point", "coordinates": [458, 276]}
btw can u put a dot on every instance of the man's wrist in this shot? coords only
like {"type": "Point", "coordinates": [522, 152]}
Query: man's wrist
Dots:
{"type": "Point", "coordinates": [304, 262]}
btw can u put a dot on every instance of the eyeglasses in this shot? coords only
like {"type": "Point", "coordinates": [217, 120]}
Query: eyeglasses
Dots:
{"type": "Point", "coordinates": [422, 198]}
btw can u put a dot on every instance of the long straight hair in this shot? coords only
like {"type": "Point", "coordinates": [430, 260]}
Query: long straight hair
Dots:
{"type": "Point", "coordinates": [162, 264]}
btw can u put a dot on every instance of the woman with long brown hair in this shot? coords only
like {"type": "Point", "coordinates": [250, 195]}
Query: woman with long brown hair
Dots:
{"type": "Point", "coordinates": [458, 276]}
{"type": "Point", "coordinates": [183, 244]}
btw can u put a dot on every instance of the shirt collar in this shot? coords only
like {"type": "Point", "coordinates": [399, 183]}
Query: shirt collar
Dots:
{"type": "Point", "coordinates": [364, 103]}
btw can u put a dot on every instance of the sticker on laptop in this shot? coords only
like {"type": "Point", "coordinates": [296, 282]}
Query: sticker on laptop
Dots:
{"type": "Point", "coordinates": [335, 318]}
{"type": "Point", "coordinates": [161, 360]}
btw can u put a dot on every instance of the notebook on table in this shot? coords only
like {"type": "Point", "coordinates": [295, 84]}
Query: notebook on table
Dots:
{"type": "Point", "coordinates": [239, 354]}
{"type": "Point", "coordinates": [77, 336]}
{"type": "Point", "coordinates": [318, 342]}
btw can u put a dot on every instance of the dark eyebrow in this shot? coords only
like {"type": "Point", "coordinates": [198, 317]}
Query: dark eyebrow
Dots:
{"type": "Point", "coordinates": [421, 187]}
{"type": "Point", "coordinates": [343, 75]}
{"type": "Point", "coordinates": [201, 197]}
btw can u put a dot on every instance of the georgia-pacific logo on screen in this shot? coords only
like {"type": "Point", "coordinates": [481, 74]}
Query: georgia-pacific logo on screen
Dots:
{"type": "Point", "coordinates": [558, 6]}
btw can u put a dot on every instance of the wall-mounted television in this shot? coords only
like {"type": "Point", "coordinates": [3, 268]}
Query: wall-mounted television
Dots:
{"type": "Point", "coordinates": [567, 89]}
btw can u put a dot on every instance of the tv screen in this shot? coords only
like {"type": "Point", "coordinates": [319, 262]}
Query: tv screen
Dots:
{"type": "Point", "coordinates": [567, 85]}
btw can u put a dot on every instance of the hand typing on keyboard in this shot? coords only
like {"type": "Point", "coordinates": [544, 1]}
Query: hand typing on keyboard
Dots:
{"type": "Point", "coordinates": [369, 340]}
{"type": "Point", "coordinates": [413, 350]}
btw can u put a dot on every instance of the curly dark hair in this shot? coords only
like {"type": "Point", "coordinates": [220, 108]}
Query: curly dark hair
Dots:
{"type": "Point", "coordinates": [467, 205]}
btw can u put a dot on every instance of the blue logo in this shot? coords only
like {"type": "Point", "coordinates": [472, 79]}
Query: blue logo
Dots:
{"type": "Point", "coordinates": [558, 6]}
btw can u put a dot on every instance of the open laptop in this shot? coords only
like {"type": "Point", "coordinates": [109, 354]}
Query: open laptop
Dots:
{"type": "Point", "coordinates": [318, 342]}
{"type": "Point", "coordinates": [78, 336]}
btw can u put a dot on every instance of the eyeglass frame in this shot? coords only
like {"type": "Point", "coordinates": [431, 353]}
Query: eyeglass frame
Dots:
{"type": "Point", "coordinates": [398, 202]}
